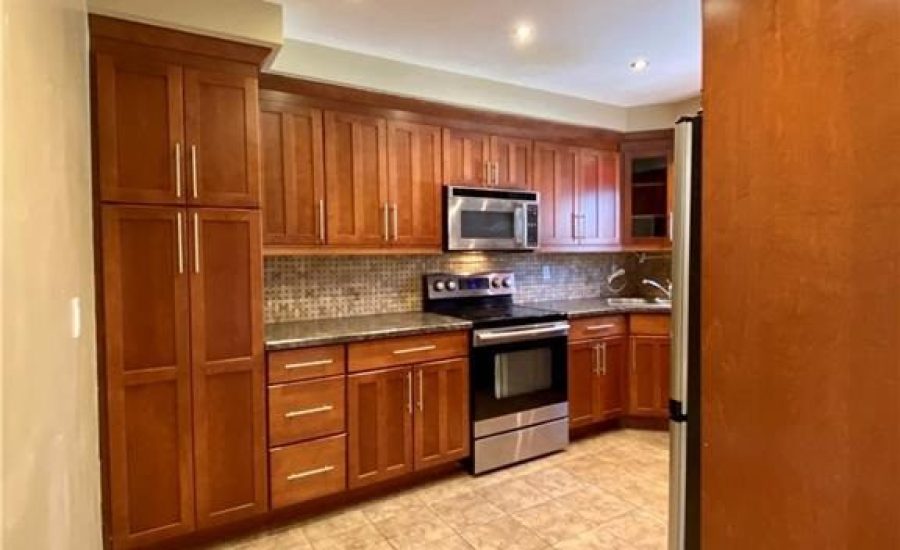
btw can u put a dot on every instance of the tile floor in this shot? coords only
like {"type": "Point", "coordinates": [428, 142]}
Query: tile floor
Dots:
{"type": "Point", "coordinates": [609, 491]}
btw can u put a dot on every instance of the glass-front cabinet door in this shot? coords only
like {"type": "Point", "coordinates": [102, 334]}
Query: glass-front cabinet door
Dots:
{"type": "Point", "coordinates": [647, 202]}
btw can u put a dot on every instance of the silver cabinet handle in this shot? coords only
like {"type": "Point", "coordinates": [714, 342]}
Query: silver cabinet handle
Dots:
{"type": "Point", "coordinates": [487, 173]}
{"type": "Point", "coordinates": [594, 359]}
{"type": "Point", "coordinates": [194, 170]}
{"type": "Point", "coordinates": [599, 327]}
{"type": "Point", "coordinates": [180, 243]}
{"type": "Point", "coordinates": [178, 169]}
{"type": "Point", "coordinates": [321, 220]}
{"type": "Point", "coordinates": [409, 392]}
{"type": "Point", "coordinates": [421, 397]}
{"type": "Point", "coordinates": [387, 230]}
{"type": "Point", "coordinates": [394, 210]}
{"type": "Point", "coordinates": [671, 225]}
{"type": "Point", "coordinates": [305, 412]}
{"type": "Point", "coordinates": [307, 364]}
{"type": "Point", "coordinates": [496, 173]}
{"type": "Point", "coordinates": [414, 350]}
{"type": "Point", "coordinates": [309, 473]}
{"type": "Point", "coordinates": [196, 242]}
{"type": "Point", "coordinates": [603, 351]}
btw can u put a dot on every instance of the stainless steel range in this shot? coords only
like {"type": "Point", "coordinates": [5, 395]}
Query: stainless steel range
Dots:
{"type": "Point", "coordinates": [518, 379]}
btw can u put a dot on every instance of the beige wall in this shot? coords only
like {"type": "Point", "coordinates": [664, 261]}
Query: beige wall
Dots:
{"type": "Point", "coordinates": [51, 470]}
{"type": "Point", "coordinates": [654, 117]}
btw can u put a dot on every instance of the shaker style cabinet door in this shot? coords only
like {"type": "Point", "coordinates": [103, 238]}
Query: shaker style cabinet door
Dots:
{"type": "Point", "coordinates": [139, 128]}
{"type": "Point", "coordinates": [441, 407]}
{"type": "Point", "coordinates": [466, 158]}
{"type": "Point", "coordinates": [379, 425]}
{"type": "Point", "coordinates": [512, 161]}
{"type": "Point", "coordinates": [293, 175]}
{"type": "Point", "coordinates": [582, 368]}
{"type": "Point", "coordinates": [147, 361]}
{"type": "Point", "coordinates": [649, 376]}
{"type": "Point", "coordinates": [610, 389]}
{"type": "Point", "coordinates": [598, 198]}
{"type": "Point", "coordinates": [356, 179]}
{"type": "Point", "coordinates": [414, 184]}
{"type": "Point", "coordinates": [222, 139]}
{"type": "Point", "coordinates": [227, 364]}
{"type": "Point", "coordinates": [555, 178]}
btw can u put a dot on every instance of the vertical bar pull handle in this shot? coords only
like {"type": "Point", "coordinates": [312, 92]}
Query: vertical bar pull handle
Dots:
{"type": "Point", "coordinates": [594, 360]}
{"type": "Point", "coordinates": [194, 170]}
{"type": "Point", "coordinates": [421, 397]}
{"type": "Point", "coordinates": [387, 230]}
{"type": "Point", "coordinates": [178, 169]}
{"type": "Point", "coordinates": [395, 222]}
{"type": "Point", "coordinates": [196, 242]}
{"type": "Point", "coordinates": [180, 243]}
{"type": "Point", "coordinates": [409, 392]}
{"type": "Point", "coordinates": [321, 220]}
{"type": "Point", "coordinates": [603, 350]}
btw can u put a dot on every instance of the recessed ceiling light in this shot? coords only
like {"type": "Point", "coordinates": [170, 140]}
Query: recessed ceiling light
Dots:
{"type": "Point", "coordinates": [638, 65]}
{"type": "Point", "coordinates": [523, 33]}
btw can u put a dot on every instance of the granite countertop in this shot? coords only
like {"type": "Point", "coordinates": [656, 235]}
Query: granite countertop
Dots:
{"type": "Point", "coordinates": [588, 307]}
{"type": "Point", "coordinates": [299, 334]}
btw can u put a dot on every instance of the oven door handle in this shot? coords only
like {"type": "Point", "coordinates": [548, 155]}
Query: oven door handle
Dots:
{"type": "Point", "coordinates": [487, 337]}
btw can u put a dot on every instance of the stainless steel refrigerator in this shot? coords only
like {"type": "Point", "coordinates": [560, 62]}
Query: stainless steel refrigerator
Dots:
{"type": "Point", "coordinates": [684, 399]}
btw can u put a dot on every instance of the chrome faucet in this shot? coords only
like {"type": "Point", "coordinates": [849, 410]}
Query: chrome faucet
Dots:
{"type": "Point", "coordinates": [665, 290]}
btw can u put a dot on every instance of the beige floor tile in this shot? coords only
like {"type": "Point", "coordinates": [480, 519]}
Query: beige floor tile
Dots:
{"type": "Point", "coordinates": [466, 509]}
{"type": "Point", "coordinates": [554, 521]}
{"type": "Point", "coordinates": [515, 494]}
{"type": "Point", "coordinates": [365, 537]}
{"type": "Point", "coordinates": [415, 527]}
{"type": "Point", "coordinates": [502, 534]}
{"type": "Point", "coordinates": [286, 539]}
{"type": "Point", "coordinates": [454, 542]}
{"type": "Point", "coordinates": [598, 539]}
{"type": "Point", "coordinates": [597, 505]}
{"type": "Point", "coordinates": [334, 524]}
{"type": "Point", "coordinates": [445, 488]}
{"type": "Point", "coordinates": [641, 530]}
{"type": "Point", "coordinates": [392, 505]}
{"type": "Point", "coordinates": [554, 482]}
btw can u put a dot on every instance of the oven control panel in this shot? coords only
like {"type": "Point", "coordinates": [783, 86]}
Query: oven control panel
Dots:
{"type": "Point", "coordinates": [445, 285]}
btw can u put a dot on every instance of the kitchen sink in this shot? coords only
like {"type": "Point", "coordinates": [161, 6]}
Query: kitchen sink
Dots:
{"type": "Point", "coordinates": [638, 302]}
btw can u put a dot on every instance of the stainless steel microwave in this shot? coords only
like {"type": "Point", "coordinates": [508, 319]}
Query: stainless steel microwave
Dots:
{"type": "Point", "coordinates": [478, 218]}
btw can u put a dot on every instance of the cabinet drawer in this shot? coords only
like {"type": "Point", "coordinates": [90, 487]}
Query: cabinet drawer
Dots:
{"type": "Point", "coordinates": [650, 325]}
{"type": "Point", "coordinates": [304, 410]}
{"type": "Point", "coordinates": [306, 363]}
{"type": "Point", "coordinates": [308, 470]}
{"type": "Point", "coordinates": [379, 354]}
{"type": "Point", "coordinates": [597, 327]}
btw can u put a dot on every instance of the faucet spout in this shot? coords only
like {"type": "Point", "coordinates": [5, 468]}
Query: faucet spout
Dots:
{"type": "Point", "coordinates": [665, 290]}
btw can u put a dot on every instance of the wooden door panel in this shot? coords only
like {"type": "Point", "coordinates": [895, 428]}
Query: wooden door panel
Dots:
{"type": "Point", "coordinates": [441, 421]}
{"type": "Point", "coordinates": [293, 174]}
{"type": "Point", "coordinates": [140, 130]}
{"type": "Point", "coordinates": [555, 177]}
{"type": "Point", "coordinates": [513, 159]}
{"type": "Point", "coordinates": [356, 179]}
{"type": "Point", "coordinates": [466, 155]}
{"type": "Point", "coordinates": [598, 197]}
{"type": "Point", "coordinates": [228, 370]}
{"type": "Point", "coordinates": [414, 184]}
{"type": "Point", "coordinates": [610, 389]}
{"type": "Point", "coordinates": [147, 373]}
{"type": "Point", "coordinates": [222, 134]}
{"type": "Point", "coordinates": [582, 365]}
{"type": "Point", "coordinates": [648, 379]}
{"type": "Point", "coordinates": [379, 426]}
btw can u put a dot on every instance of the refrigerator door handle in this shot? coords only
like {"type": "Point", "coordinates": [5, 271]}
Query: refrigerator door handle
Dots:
{"type": "Point", "coordinates": [681, 265]}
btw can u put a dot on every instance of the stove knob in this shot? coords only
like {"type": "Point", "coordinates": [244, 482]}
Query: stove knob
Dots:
{"type": "Point", "coordinates": [507, 282]}
{"type": "Point", "coordinates": [451, 285]}
{"type": "Point", "coordinates": [495, 282]}
{"type": "Point", "coordinates": [439, 285]}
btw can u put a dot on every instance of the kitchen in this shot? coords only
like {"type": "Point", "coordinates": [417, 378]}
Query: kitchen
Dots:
{"type": "Point", "coordinates": [331, 275]}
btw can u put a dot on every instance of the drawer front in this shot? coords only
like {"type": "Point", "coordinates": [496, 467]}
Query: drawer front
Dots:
{"type": "Point", "coordinates": [303, 364]}
{"type": "Point", "coordinates": [308, 470]}
{"type": "Point", "coordinates": [304, 410]}
{"type": "Point", "coordinates": [650, 325]}
{"type": "Point", "coordinates": [597, 327]}
{"type": "Point", "coordinates": [389, 352]}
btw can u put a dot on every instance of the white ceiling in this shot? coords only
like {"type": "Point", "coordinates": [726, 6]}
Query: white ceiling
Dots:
{"type": "Point", "coordinates": [581, 48]}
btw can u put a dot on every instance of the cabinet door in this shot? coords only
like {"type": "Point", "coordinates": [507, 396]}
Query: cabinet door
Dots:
{"type": "Point", "coordinates": [222, 133]}
{"type": "Point", "coordinates": [379, 425]}
{"type": "Point", "coordinates": [582, 368]}
{"type": "Point", "coordinates": [441, 412]}
{"type": "Point", "coordinates": [647, 192]}
{"type": "Point", "coordinates": [228, 375]}
{"type": "Point", "coordinates": [649, 376]}
{"type": "Point", "coordinates": [610, 388]}
{"type": "Point", "coordinates": [414, 184]}
{"type": "Point", "coordinates": [292, 174]}
{"type": "Point", "coordinates": [356, 179]}
{"type": "Point", "coordinates": [598, 198]}
{"type": "Point", "coordinates": [140, 127]}
{"type": "Point", "coordinates": [513, 161]}
{"type": "Point", "coordinates": [466, 157]}
{"type": "Point", "coordinates": [147, 373]}
{"type": "Point", "coordinates": [555, 175]}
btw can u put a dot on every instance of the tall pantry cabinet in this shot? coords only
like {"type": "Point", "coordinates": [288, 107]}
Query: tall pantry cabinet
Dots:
{"type": "Point", "coordinates": [179, 235]}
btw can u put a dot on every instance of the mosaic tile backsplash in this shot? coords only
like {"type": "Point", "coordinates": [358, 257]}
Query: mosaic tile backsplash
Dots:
{"type": "Point", "coordinates": [317, 287]}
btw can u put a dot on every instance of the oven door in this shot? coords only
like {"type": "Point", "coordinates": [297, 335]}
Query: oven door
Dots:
{"type": "Point", "coordinates": [489, 220]}
{"type": "Point", "coordinates": [518, 384]}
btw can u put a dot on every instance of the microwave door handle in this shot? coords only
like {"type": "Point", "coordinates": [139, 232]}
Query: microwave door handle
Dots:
{"type": "Point", "coordinates": [520, 228]}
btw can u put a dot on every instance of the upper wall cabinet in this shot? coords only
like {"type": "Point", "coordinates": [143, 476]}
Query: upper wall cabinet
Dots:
{"type": "Point", "coordinates": [598, 198]}
{"type": "Point", "coordinates": [556, 170]}
{"type": "Point", "coordinates": [647, 176]}
{"type": "Point", "coordinates": [466, 158]}
{"type": "Point", "coordinates": [414, 184]}
{"type": "Point", "coordinates": [168, 133]}
{"type": "Point", "coordinates": [511, 162]}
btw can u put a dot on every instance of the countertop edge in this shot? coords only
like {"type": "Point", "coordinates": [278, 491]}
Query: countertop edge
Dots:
{"type": "Point", "coordinates": [306, 342]}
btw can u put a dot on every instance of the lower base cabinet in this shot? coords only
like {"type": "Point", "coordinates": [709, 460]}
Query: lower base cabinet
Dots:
{"type": "Point", "coordinates": [307, 470]}
{"type": "Point", "coordinates": [597, 381]}
{"type": "Point", "coordinates": [649, 376]}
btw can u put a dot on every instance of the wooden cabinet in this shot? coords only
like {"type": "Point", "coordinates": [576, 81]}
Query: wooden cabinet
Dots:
{"type": "Point", "coordinates": [610, 396]}
{"type": "Point", "coordinates": [598, 198]}
{"type": "Point", "coordinates": [356, 179]}
{"type": "Point", "coordinates": [649, 376]}
{"type": "Point", "coordinates": [441, 418]}
{"type": "Point", "coordinates": [169, 134]}
{"type": "Point", "coordinates": [308, 470]}
{"type": "Point", "coordinates": [556, 170]}
{"type": "Point", "coordinates": [466, 157]}
{"type": "Point", "coordinates": [380, 407]}
{"type": "Point", "coordinates": [414, 184]}
{"type": "Point", "coordinates": [293, 174]}
{"type": "Point", "coordinates": [581, 370]}
{"type": "Point", "coordinates": [647, 192]}
{"type": "Point", "coordinates": [597, 370]}
{"type": "Point", "coordinates": [225, 262]}
{"type": "Point", "coordinates": [512, 164]}
{"type": "Point", "coordinates": [148, 374]}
